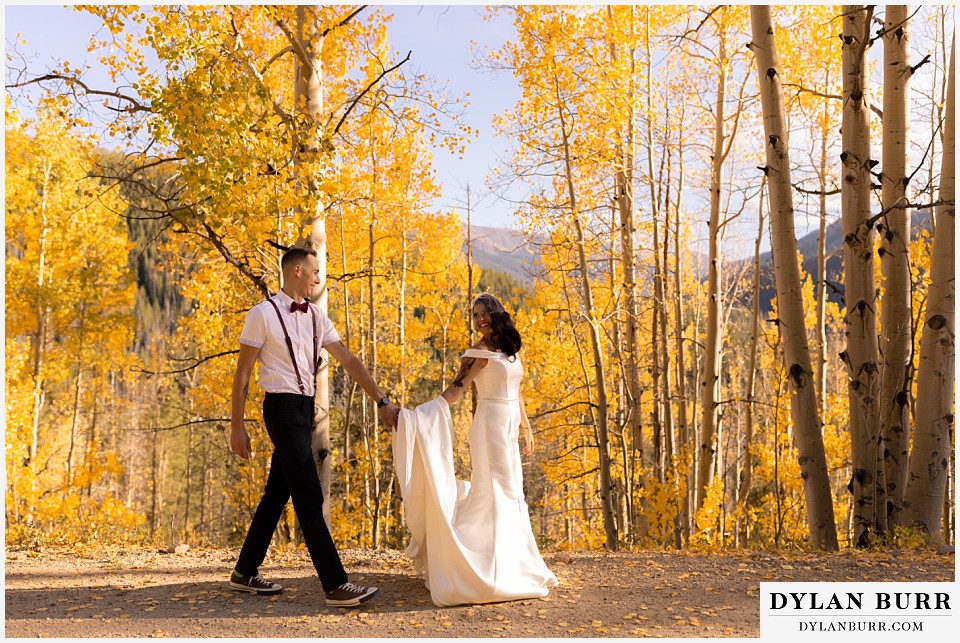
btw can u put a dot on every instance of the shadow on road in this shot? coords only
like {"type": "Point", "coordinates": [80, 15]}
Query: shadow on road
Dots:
{"type": "Point", "coordinates": [136, 593]}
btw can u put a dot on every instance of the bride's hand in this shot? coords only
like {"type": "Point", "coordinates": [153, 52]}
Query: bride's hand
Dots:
{"type": "Point", "coordinates": [527, 442]}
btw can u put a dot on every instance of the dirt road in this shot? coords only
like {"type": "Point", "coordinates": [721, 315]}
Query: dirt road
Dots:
{"type": "Point", "coordinates": [658, 594]}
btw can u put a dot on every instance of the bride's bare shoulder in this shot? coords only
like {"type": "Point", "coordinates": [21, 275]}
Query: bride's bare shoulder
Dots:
{"type": "Point", "coordinates": [481, 345]}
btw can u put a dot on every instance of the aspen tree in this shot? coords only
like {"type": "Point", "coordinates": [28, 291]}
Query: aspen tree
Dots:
{"type": "Point", "coordinates": [747, 471]}
{"type": "Point", "coordinates": [933, 432]}
{"type": "Point", "coordinates": [683, 432]}
{"type": "Point", "coordinates": [710, 377]}
{"type": "Point", "coordinates": [861, 353]}
{"type": "Point", "coordinates": [624, 68]}
{"type": "Point", "coordinates": [625, 509]}
{"type": "Point", "coordinates": [806, 421]}
{"type": "Point", "coordinates": [565, 152]}
{"type": "Point", "coordinates": [40, 336]}
{"type": "Point", "coordinates": [603, 441]}
{"type": "Point", "coordinates": [63, 236]}
{"type": "Point", "coordinates": [660, 297]}
{"type": "Point", "coordinates": [307, 44]}
{"type": "Point", "coordinates": [624, 186]}
{"type": "Point", "coordinates": [825, 133]}
{"type": "Point", "coordinates": [371, 428]}
{"type": "Point", "coordinates": [662, 417]}
{"type": "Point", "coordinates": [78, 384]}
{"type": "Point", "coordinates": [894, 230]}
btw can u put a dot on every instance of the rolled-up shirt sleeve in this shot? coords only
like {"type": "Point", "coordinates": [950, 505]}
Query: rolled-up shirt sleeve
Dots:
{"type": "Point", "coordinates": [254, 331]}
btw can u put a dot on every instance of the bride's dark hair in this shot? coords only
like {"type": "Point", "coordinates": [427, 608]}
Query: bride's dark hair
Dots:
{"type": "Point", "coordinates": [503, 333]}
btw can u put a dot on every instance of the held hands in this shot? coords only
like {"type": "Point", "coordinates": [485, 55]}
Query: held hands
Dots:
{"type": "Point", "coordinates": [390, 415]}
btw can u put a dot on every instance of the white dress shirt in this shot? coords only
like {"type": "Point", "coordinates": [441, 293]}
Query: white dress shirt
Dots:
{"type": "Point", "coordinates": [262, 330]}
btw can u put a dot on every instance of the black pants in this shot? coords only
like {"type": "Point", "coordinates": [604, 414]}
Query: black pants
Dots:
{"type": "Point", "coordinates": [289, 420]}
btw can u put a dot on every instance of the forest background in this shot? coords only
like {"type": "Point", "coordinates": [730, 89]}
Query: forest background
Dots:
{"type": "Point", "coordinates": [670, 408]}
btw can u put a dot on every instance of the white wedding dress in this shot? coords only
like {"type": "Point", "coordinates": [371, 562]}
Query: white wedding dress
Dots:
{"type": "Point", "coordinates": [471, 539]}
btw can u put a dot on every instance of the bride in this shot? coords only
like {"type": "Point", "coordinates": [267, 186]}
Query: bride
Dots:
{"type": "Point", "coordinates": [472, 539]}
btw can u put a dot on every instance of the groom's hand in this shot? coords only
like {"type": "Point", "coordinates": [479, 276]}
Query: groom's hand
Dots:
{"type": "Point", "coordinates": [390, 414]}
{"type": "Point", "coordinates": [240, 442]}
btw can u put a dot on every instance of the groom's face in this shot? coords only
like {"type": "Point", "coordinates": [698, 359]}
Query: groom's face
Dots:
{"type": "Point", "coordinates": [481, 320]}
{"type": "Point", "coordinates": [307, 274]}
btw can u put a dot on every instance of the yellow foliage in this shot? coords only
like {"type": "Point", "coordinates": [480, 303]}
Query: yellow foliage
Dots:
{"type": "Point", "coordinates": [709, 532]}
{"type": "Point", "coordinates": [663, 503]}
{"type": "Point", "coordinates": [251, 172]}
{"type": "Point", "coordinates": [64, 354]}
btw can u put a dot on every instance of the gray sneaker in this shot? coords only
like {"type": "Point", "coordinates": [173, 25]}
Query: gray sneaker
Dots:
{"type": "Point", "coordinates": [254, 584]}
{"type": "Point", "coordinates": [350, 595]}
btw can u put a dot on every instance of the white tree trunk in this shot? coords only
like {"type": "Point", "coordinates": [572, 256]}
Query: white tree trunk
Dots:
{"type": "Point", "coordinates": [860, 292]}
{"type": "Point", "coordinates": [603, 440]}
{"type": "Point", "coordinates": [308, 97]}
{"type": "Point", "coordinates": [822, 267]}
{"type": "Point", "coordinates": [40, 342]}
{"type": "Point", "coordinates": [807, 426]}
{"type": "Point", "coordinates": [896, 312]}
{"type": "Point", "coordinates": [374, 424]}
{"type": "Point", "coordinates": [624, 199]}
{"type": "Point", "coordinates": [683, 437]}
{"type": "Point", "coordinates": [932, 441]}
{"type": "Point", "coordinates": [710, 376]}
{"type": "Point", "coordinates": [662, 425]}
{"type": "Point", "coordinates": [623, 182]}
{"type": "Point", "coordinates": [743, 492]}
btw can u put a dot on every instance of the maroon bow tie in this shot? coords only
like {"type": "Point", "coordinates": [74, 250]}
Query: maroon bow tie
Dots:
{"type": "Point", "coordinates": [303, 306]}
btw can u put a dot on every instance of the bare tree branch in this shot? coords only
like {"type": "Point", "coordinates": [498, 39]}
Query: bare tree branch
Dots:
{"type": "Point", "coordinates": [373, 83]}
{"type": "Point", "coordinates": [196, 362]}
{"type": "Point", "coordinates": [224, 421]}
{"type": "Point", "coordinates": [903, 204]}
{"type": "Point", "coordinates": [135, 105]}
{"type": "Point", "coordinates": [343, 22]}
{"type": "Point", "coordinates": [242, 266]}
{"type": "Point", "coordinates": [803, 90]}
{"type": "Point", "coordinates": [815, 192]}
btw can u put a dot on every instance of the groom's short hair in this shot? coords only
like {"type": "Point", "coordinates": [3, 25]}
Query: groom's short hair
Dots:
{"type": "Point", "coordinates": [294, 256]}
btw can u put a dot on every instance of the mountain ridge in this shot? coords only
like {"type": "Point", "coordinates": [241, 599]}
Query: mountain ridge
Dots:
{"type": "Point", "coordinates": [501, 249]}
{"type": "Point", "coordinates": [505, 250]}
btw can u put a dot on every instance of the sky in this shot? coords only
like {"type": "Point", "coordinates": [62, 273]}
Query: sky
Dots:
{"type": "Point", "coordinates": [439, 38]}
{"type": "Point", "coordinates": [443, 41]}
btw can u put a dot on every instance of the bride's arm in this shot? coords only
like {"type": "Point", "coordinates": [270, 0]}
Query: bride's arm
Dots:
{"type": "Point", "coordinates": [469, 369]}
{"type": "Point", "coordinates": [527, 431]}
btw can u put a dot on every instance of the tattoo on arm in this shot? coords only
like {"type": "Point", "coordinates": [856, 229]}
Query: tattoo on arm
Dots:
{"type": "Point", "coordinates": [465, 367]}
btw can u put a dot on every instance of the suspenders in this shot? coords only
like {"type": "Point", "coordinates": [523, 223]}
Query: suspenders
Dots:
{"type": "Point", "coordinates": [286, 336]}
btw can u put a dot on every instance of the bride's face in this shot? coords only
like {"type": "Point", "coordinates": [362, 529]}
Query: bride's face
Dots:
{"type": "Point", "coordinates": [481, 321]}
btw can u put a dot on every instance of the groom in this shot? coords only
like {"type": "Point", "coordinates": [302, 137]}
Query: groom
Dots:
{"type": "Point", "coordinates": [285, 333]}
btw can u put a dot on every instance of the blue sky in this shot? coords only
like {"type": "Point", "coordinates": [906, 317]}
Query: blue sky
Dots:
{"type": "Point", "coordinates": [439, 37]}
